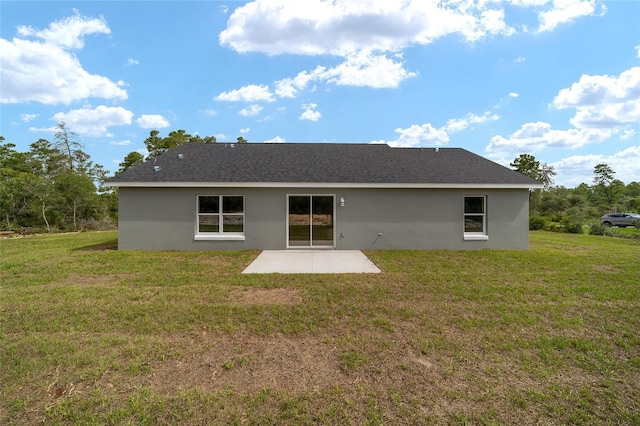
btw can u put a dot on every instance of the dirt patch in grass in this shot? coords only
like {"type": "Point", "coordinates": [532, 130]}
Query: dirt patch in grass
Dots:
{"type": "Point", "coordinates": [297, 364]}
{"type": "Point", "coordinates": [576, 247]}
{"type": "Point", "coordinates": [605, 268]}
{"type": "Point", "coordinates": [225, 264]}
{"type": "Point", "coordinates": [434, 381]}
{"type": "Point", "coordinates": [265, 296]}
{"type": "Point", "coordinates": [250, 363]}
{"type": "Point", "coordinates": [94, 280]}
{"type": "Point", "coordinates": [219, 261]}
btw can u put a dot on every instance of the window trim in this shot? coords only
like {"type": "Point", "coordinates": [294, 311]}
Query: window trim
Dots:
{"type": "Point", "coordinates": [475, 236]}
{"type": "Point", "coordinates": [221, 235]}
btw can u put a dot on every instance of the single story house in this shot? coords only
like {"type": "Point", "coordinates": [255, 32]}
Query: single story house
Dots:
{"type": "Point", "coordinates": [227, 196]}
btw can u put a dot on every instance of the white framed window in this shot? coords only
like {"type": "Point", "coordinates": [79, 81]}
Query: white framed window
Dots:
{"type": "Point", "coordinates": [475, 218]}
{"type": "Point", "coordinates": [220, 217]}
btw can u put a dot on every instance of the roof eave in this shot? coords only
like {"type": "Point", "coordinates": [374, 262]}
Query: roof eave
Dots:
{"type": "Point", "coordinates": [322, 185]}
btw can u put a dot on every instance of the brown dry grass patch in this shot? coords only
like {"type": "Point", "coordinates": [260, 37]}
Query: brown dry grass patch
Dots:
{"type": "Point", "coordinates": [249, 363]}
{"type": "Point", "coordinates": [605, 268]}
{"type": "Point", "coordinates": [265, 296]}
{"type": "Point", "coordinates": [85, 280]}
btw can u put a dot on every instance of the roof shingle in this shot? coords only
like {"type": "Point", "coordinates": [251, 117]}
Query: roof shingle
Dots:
{"type": "Point", "coordinates": [319, 163]}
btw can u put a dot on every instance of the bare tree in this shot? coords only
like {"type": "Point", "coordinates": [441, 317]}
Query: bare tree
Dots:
{"type": "Point", "coordinates": [67, 142]}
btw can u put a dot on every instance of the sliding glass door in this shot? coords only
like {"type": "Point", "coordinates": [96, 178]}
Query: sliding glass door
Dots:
{"type": "Point", "coordinates": [299, 221]}
{"type": "Point", "coordinates": [310, 221]}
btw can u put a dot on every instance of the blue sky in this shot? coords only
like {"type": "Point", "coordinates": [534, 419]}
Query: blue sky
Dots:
{"type": "Point", "coordinates": [558, 79]}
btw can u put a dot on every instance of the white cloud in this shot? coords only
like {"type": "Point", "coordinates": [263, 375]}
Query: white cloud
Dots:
{"type": "Point", "coordinates": [574, 170]}
{"type": "Point", "coordinates": [609, 116]}
{"type": "Point", "coordinates": [96, 121]}
{"type": "Point", "coordinates": [605, 106]}
{"type": "Point", "coordinates": [364, 68]}
{"type": "Point", "coordinates": [492, 22]}
{"type": "Point", "coordinates": [459, 124]}
{"type": "Point", "coordinates": [45, 71]}
{"type": "Point", "coordinates": [564, 11]}
{"type": "Point", "coordinates": [637, 51]}
{"type": "Point", "coordinates": [152, 121]}
{"type": "Point", "coordinates": [224, 9]}
{"type": "Point", "coordinates": [26, 118]}
{"type": "Point", "coordinates": [120, 143]}
{"type": "Point", "coordinates": [316, 27]}
{"type": "Point", "coordinates": [250, 93]}
{"type": "Point", "coordinates": [210, 112]}
{"type": "Point", "coordinates": [132, 61]}
{"type": "Point", "coordinates": [310, 113]}
{"type": "Point", "coordinates": [277, 139]}
{"type": "Point", "coordinates": [600, 89]}
{"type": "Point", "coordinates": [628, 134]}
{"type": "Point", "coordinates": [51, 129]}
{"type": "Point", "coordinates": [289, 87]}
{"type": "Point", "coordinates": [67, 33]}
{"type": "Point", "coordinates": [534, 137]}
{"type": "Point", "coordinates": [365, 32]}
{"type": "Point", "coordinates": [251, 110]}
{"type": "Point", "coordinates": [505, 100]}
{"type": "Point", "coordinates": [602, 100]}
{"type": "Point", "coordinates": [428, 135]}
{"type": "Point", "coordinates": [418, 135]}
{"type": "Point", "coordinates": [245, 130]}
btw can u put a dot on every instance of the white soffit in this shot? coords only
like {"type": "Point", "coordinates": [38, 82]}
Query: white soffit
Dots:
{"type": "Point", "coordinates": [319, 185]}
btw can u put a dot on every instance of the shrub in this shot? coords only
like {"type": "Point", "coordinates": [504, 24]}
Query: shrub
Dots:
{"type": "Point", "coordinates": [106, 224]}
{"type": "Point", "coordinates": [34, 230]}
{"type": "Point", "coordinates": [571, 226]}
{"type": "Point", "coordinates": [557, 217]}
{"type": "Point", "coordinates": [597, 229]}
{"type": "Point", "coordinates": [537, 222]}
{"type": "Point", "coordinates": [553, 227]}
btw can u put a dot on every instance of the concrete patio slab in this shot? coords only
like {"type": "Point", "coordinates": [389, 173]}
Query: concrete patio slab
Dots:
{"type": "Point", "coordinates": [312, 262]}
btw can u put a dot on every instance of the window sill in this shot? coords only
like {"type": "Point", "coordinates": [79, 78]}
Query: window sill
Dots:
{"type": "Point", "coordinates": [202, 237]}
{"type": "Point", "coordinates": [476, 237]}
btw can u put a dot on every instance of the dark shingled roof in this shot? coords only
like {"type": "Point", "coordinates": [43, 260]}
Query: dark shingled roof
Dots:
{"type": "Point", "coordinates": [319, 163]}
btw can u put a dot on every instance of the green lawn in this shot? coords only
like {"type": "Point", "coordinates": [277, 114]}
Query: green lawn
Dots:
{"type": "Point", "coordinates": [90, 335]}
{"type": "Point", "coordinates": [628, 232]}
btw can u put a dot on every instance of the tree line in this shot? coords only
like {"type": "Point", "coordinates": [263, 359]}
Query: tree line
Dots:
{"type": "Point", "coordinates": [569, 209]}
{"type": "Point", "coordinates": [157, 145]}
{"type": "Point", "coordinates": [55, 186]}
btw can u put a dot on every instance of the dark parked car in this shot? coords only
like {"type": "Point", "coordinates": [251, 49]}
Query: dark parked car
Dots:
{"type": "Point", "coordinates": [620, 219]}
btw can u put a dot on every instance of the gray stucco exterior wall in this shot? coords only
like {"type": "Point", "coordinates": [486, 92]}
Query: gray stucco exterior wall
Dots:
{"type": "Point", "coordinates": [165, 218]}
